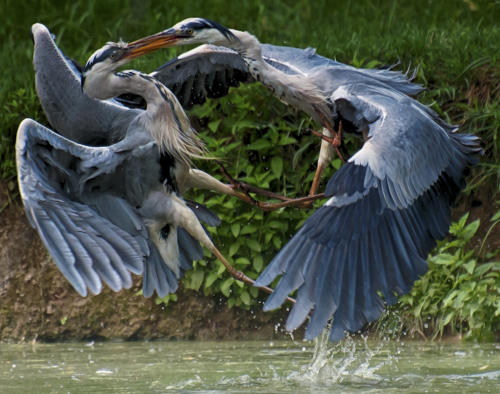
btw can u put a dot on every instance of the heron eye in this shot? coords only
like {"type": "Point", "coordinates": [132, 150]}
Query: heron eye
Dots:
{"type": "Point", "coordinates": [189, 31]}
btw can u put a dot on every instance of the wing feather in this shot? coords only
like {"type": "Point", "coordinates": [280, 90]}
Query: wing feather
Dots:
{"type": "Point", "coordinates": [58, 84]}
{"type": "Point", "coordinates": [388, 205]}
{"type": "Point", "coordinates": [86, 246]}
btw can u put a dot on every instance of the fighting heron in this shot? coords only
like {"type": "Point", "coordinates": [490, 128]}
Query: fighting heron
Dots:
{"type": "Point", "coordinates": [298, 78]}
{"type": "Point", "coordinates": [105, 211]}
{"type": "Point", "coordinates": [387, 205]}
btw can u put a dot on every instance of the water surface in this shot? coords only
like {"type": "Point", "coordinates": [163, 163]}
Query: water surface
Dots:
{"type": "Point", "coordinates": [257, 366]}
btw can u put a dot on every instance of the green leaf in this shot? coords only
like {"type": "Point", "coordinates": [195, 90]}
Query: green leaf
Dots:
{"type": "Point", "coordinates": [239, 283]}
{"type": "Point", "coordinates": [214, 125]}
{"type": "Point", "coordinates": [469, 267]}
{"type": "Point", "coordinates": [444, 259]}
{"type": "Point", "coordinates": [210, 279]}
{"type": "Point", "coordinates": [233, 248]}
{"type": "Point", "coordinates": [496, 216]}
{"type": "Point", "coordinates": [258, 263]}
{"type": "Point", "coordinates": [249, 229]}
{"type": "Point", "coordinates": [245, 297]}
{"type": "Point", "coordinates": [242, 261]}
{"type": "Point", "coordinates": [235, 229]}
{"type": "Point", "coordinates": [336, 163]}
{"type": "Point", "coordinates": [196, 280]}
{"type": "Point", "coordinates": [463, 220]}
{"type": "Point", "coordinates": [244, 124]}
{"type": "Point", "coordinates": [254, 291]}
{"type": "Point", "coordinates": [482, 268]}
{"type": "Point", "coordinates": [225, 287]}
{"type": "Point", "coordinates": [283, 226]}
{"type": "Point", "coordinates": [286, 140]}
{"type": "Point", "coordinates": [220, 269]}
{"type": "Point", "coordinates": [259, 144]}
{"type": "Point", "coordinates": [470, 230]}
{"type": "Point", "coordinates": [254, 245]}
{"type": "Point", "coordinates": [298, 154]}
{"type": "Point", "coordinates": [277, 242]}
{"type": "Point", "coordinates": [277, 166]}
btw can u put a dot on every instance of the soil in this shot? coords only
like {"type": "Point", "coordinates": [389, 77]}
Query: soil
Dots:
{"type": "Point", "coordinates": [38, 303]}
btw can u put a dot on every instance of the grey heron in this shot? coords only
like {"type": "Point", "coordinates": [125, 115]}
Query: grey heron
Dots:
{"type": "Point", "coordinates": [102, 211]}
{"type": "Point", "coordinates": [387, 205]}
{"type": "Point", "coordinates": [296, 77]}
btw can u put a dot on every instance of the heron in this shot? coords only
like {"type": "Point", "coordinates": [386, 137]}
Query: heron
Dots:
{"type": "Point", "coordinates": [106, 211]}
{"type": "Point", "coordinates": [387, 205]}
{"type": "Point", "coordinates": [298, 78]}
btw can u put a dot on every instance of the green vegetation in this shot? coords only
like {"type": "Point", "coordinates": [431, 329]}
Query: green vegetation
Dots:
{"type": "Point", "coordinates": [453, 43]}
{"type": "Point", "coordinates": [459, 294]}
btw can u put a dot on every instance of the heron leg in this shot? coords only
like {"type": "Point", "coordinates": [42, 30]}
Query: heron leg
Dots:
{"type": "Point", "coordinates": [331, 141]}
{"type": "Point", "coordinates": [335, 137]}
{"type": "Point", "coordinates": [178, 213]}
{"type": "Point", "coordinates": [240, 275]}
{"type": "Point", "coordinates": [325, 156]}
{"type": "Point", "coordinates": [301, 202]}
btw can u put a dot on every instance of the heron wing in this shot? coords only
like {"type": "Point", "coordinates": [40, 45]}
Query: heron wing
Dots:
{"type": "Point", "coordinates": [205, 72]}
{"type": "Point", "coordinates": [209, 71]}
{"type": "Point", "coordinates": [69, 111]}
{"type": "Point", "coordinates": [86, 246]}
{"type": "Point", "coordinates": [388, 205]}
{"type": "Point", "coordinates": [330, 74]}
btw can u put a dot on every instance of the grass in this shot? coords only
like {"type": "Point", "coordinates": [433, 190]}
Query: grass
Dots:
{"type": "Point", "coordinates": [454, 44]}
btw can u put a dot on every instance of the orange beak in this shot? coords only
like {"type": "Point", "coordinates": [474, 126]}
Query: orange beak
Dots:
{"type": "Point", "coordinates": [151, 43]}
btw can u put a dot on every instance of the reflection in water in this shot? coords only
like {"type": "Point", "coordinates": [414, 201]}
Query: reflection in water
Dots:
{"type": "Point", "coordinates": [354, 365]}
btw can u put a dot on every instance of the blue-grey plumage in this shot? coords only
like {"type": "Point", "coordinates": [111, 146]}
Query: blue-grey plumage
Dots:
{"type": "Point", "coordinates": [297, 77]}
{"type": "Point", "coordinates": [58, 85]}
{"type": "Point", "coordinates": [388, 204]}
{"type": "Point", "coordinates": [95, 225]}
{"type": "Point", "coordinates": [118, 164]}
{"type": "Point", "coordinates": [92, 205]}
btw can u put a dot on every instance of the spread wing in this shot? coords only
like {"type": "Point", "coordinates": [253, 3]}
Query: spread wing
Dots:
{"type": "Point", "coordinates": [72, 113]}
{"type": "Point", "coordinates": [205, 72]}
{"type": "Point", "coordinates": [87, 247]}
{"type": "Point", "coordinates": [387, 206]}
{"type": "Point", "coordinates": [81, 201]}
{"type": "Point", "coordinates": [330, 73]}
{"type": "Point", "coordinates": [209, 71]}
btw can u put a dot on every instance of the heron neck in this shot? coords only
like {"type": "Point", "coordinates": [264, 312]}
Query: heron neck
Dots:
{"type": "Point", "coordinates": [164, 117]}
{"type": "Point", "coordinates": [296, 90]}
{"type": "Point", "coordinates": [137, 83]}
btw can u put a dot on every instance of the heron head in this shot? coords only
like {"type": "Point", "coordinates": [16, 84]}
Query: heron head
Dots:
{"type": "Point", "coordinates": [189, 31]}
{"type": "Point", "coordinates": [105, 61]}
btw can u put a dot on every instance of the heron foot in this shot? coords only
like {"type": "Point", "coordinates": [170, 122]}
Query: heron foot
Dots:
{"type": "Point", "coordinates": [238, 275]}
{"type": "Point", "coordinates": [336, 140]}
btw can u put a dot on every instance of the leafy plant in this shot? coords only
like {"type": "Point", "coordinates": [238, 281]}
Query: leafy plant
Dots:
{"type": "Point", "coordinates": [267, 144]}
{"type": "Point", "coordinates": [256, 139]}
{"type": "Point", "coordinates": [459, 292]}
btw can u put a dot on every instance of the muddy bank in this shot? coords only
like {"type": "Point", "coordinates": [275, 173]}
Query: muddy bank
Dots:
{"type": "Point", "coordinates": [36, 301]}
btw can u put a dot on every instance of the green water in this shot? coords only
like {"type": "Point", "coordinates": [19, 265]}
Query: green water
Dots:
{"type": "Point", "coordinates": [285, 366]}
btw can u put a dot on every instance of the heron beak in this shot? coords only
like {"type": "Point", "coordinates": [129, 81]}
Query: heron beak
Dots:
{"type": "Point", "coordinates": [143, 46]}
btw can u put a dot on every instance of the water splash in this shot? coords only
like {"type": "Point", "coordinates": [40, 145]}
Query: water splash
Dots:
{"type": "Point", "coordinates": [350, 361]}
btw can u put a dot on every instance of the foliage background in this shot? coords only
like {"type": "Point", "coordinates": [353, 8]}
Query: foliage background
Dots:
{"type": "Point", "coordinates": [455, 45]}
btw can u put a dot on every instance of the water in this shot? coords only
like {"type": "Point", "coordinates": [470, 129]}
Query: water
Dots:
{"type": "Point", "coordinates": [257, 366]}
